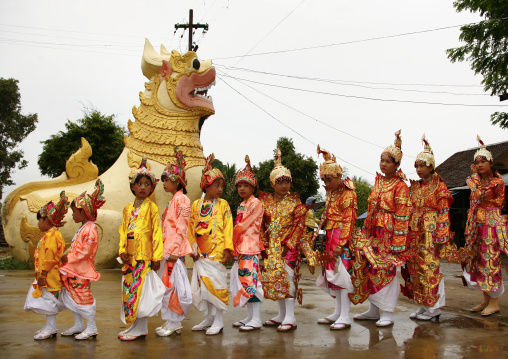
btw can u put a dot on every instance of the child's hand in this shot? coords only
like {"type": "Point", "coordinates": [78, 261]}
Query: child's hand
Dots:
{"type": "Point", "coordinates": [195, 257]}
{"type": "Point", "coordinates": [125, 258]}
{"type": "Point", "coordinates": [64, 259]}
{"type": "Point", "coordinates": [474, 169]}
{"type": "Point", "coordinates": [172, 258]}
{"type": "Point", "coordinates": [337, 251]}
{"type": "Point", "coordinates": [41, 281]}
{"type": "Point", "coordinates": [227, 256]}
{"type": "Point", "coordinates": [155, 265]}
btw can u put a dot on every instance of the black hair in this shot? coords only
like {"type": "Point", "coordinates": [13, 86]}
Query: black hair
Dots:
{"type": "Point", "coordinates": [39, 215]}
{"type": "Point", "coordinates": [138, 178]}
{"type": "Point", "coordinates": [433, 169]}
{"type": "Point", "coordinates": [181, 187]}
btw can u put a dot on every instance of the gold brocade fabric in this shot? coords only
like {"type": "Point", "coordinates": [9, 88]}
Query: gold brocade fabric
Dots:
{"type": "Point", "coordinates": [48, 253]}
{"type": "Point", "coordinates": [341, 207]}
{"type": "Point", "coordinates": [486, 232]}
{"type": "Point", "coordinates": [283, 224]}
{"type": "Point", "coordinates": [147, 232]}
{"type": "Point", "coordinates": [429, 237]}
{"type": "Point", "coordinates": [381, 247]}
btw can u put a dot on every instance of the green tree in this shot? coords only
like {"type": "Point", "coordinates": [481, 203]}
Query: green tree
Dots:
{"type": "Point", "coordinates": [14, 127]}
{"type": "Point", "coordinates": [304, 170]}
{"type": "Point", "coordinates": [486, 48]}
{"type": "Point", "coordinates": [363, 189]}
{"type": "Point", "coordinates": [102, 132]}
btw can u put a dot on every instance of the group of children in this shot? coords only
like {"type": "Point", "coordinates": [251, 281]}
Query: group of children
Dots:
{"type": "Point", "coordinates": [406, 228]}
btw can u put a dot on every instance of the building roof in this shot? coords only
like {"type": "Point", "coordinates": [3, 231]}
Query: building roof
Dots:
{"type": "Point", "coordinates": [456, 168]}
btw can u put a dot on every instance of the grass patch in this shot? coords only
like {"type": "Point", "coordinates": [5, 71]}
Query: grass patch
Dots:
{"type": "Point", "coordinates": [10, 263]}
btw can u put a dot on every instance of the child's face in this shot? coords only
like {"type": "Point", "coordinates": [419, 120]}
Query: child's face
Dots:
{"type": "Point", "coordinates": [422, 170]}
{"type": "Point", "coordinates": [215, 189]}
{"type": "Point", "coordinates": [142, 188]}
{"type": "Point", "coordinates": [44, 224]}
{"type": "Point", "coordinates": [331, 183]}
{"type": "Point", "coordinates": [281, 188]}
{"type": "Point", "coordinates": [245, 190]}
{"type": "Point", "coordinates": [482, 165]}
{"type": "Point", "coordinates": [78, 215]}
{"type": "Point", "coordinates": [387, 166]}
{"type": "Point", "coordinates": [169, 185]}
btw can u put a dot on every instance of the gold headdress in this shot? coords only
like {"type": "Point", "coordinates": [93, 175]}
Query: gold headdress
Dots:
{"type": "Point", "coordinates": [210, 174]}
{"type": "Point", "coordinates": [247, 175]}
{"type": "Point", "coordinates": [482, 151]}
{"type": "Point", "coordinates": [91, 203]}
{"type": "Point", "coordinates": [330, 166]}
{"type": "Point", "coordinates": [395, 149]}
{"type": "Point", "coordinates": [176, 171]}
{"type": "Point", "coordinates": [279, 171]}
{"type": "Point", "coordinates": [427, 155]}
{"type": "Point", "coordinates": [55, 212]}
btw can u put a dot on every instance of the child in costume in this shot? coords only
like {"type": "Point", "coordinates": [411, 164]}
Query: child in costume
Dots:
{"type": "Point", "coordinates": [310, 217]}
{"type": "Point", "coordinates": [140, 250]}
{"type": "Point", "coordinates": [486, 232]}
{"type": "Point", "coordinates": [210, 234]}
{"type": "Point", "coordinates": [340, 217]}
{"type": "Point", "coordinates": [78, 270]}
{"type": "Point", "coordinates": [43, 295]}
{"type": "Point", "coordinates": [175, 221]}
{"type": "Point", "coordinates": [382, 246]}
{"type": "Point", "coordinates": [281, 231]}
{"type": "Point", "coordinates": [429, 237]}
{"type": "Point", "coordinates": [245, 284]}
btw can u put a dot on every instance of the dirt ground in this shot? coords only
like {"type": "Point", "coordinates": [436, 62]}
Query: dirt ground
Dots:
{"type": "Point", "coordinates": [458, 334]}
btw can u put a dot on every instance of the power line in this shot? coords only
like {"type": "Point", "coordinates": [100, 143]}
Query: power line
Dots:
{"type": "Point", "coordinates": [299, 134]}
{"type": "Point", "coordinates": [357, 41]}
{"type": "Point", "coordinates": [366, 98]}
{"type": "Point", "coordinates": [347, 83]}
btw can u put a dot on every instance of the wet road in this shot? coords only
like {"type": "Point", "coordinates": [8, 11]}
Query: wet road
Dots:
{"type": "Point", "coordinates": [458, 334]}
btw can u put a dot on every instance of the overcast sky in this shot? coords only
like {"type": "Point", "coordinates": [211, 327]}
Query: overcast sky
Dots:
{"type": "Point", "coordinates": [373, 67]}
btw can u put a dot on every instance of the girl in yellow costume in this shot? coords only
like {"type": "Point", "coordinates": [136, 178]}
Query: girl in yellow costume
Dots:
{"type": "Point", "coordinates": [78, 270]}
{"type": "Point", "coordinates": [486, 232]}
{"type": "Point", "coordinates": [211, 238]}
{"type": "Point", "coordinates": [340, 216]}
{"type": "Point", "coordinates": [43, 295]}
{"type": "Point", "coordinates": [429, 237]}
{"type": "Point", "coordinates": [140, 251]}
{"type": "Point", "coordinates": [281, 231]}
{"type": "Point", "coordinates": [382, 246]}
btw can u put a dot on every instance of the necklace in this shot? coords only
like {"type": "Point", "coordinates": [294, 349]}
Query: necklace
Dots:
{"type": "Point", "coordinates": [138, 202]}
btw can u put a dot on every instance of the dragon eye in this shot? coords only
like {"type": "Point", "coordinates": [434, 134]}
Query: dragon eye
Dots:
{"type": "Point", "coordinates": [196, 64]}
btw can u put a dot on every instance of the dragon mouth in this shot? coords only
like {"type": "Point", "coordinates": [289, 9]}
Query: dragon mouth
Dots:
{"type": "Point", "coordinates": [203, 92]}
{"type": "Point", "coordinates": [192, 91]}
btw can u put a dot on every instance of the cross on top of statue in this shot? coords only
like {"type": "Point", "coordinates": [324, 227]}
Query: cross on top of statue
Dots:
{"type": "Point", "coordinates": [191, 27]}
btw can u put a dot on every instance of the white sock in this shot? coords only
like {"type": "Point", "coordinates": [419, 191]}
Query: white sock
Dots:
{"type": "Point", "coordinates": [386, 316]}
{"type": "Point", "coordinates": [90, 324]}
{"type": "Point", "coordinates": [217, 320]}
{"type": "Point", "coordinates": [173, 325]}
{"type": "Point", "coordinates": [140, 327]}
{"type": "Point", "coordinates": [373, 311]}
{"type": "Point", "coordinates": [78, 323]}
{"type": "Point", "coordinates": [282, 311]}
{"type": "Point", "coordinates": [336, 312]}
{"type": "Point", "coordinates": [255, 309]}
{"type": "Point", "coordinates": [50, 323]}
{"type": "Point", "coordinates": [344, 308]}
{"type": "Point", "coordinates": [290, 311]}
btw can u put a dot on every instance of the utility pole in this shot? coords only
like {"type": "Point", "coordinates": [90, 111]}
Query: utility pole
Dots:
{"type": "Point", "coordinates": [191, 28]}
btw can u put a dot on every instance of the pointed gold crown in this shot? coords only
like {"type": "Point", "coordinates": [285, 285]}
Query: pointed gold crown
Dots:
{"type": "Point", "coordinates": [395, 149]}
{"type": "Point", "coordinates": [330, 166]}
{"type": "Point", "coordinates": [427, 155]}
{"type": "Point", "coordinates": [482, 151]}
{"type": "Point", "coordinates": [279, 171]}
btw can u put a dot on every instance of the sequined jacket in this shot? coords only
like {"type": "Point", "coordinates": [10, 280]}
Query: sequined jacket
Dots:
{"type": "Point", "coordinates": [389, 209]}
{"type": "Point", "coordinates": [430, 208]}
{"type": "Point", "coordinates": [340, 211]}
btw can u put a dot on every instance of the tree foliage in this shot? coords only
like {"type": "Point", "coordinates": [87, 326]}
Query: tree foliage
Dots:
{"type": "Point", "coordinates": [363, 189]}
{"type": "Point", "coordinates": [303, 170]}
{"type": "Point", "coordinates": [14, 127]}
{"type": "Point", "coordinates": [102, 132]}
{"type": "Point", "coordinates": [486, 48]}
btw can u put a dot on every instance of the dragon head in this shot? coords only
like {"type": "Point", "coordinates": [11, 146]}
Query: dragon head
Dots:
{"type": "Point", "coordinates": [185, 78]}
